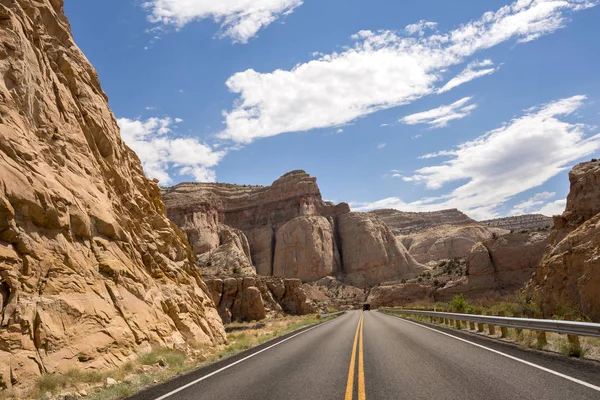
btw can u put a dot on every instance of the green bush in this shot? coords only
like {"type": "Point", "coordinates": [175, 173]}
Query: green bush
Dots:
{"type": "Point", "coordinates": [459, 304]}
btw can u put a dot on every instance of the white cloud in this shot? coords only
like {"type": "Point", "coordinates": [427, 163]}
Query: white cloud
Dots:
{"type": "Point", "coordinates": [396, 175]}
{"type": "Point", "coordinates": [474, 70]}
{"type": "Point", "coordinates": [178, 120]}
{"type": "Point", "coordinates": [239, 19]}
{"type": "Point", "coordinates": [554, 208]}
{"type": "Point", "coordinates": [161, 152]}
{"type": "Point", "coordinates": [534, 202]}
{"type": "Point", "coordinates": [439, 117]}
{"type": "Point", "coordinates": [340, 130]}
{"type": "Point", "coordinates": [420, 27]}
{"type": "Point", "coordinates": [385, 125]}
{"type": "Point", "coordinates": [521, 155]}
{"type": "Point", "coordinates": [382, 70]}
{"type": "Point", "coordinates": [381, 146]}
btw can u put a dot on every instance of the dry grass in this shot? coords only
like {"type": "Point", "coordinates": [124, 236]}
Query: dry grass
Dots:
{"type": "Point", "coordinates": [515, 306]}
{"type": "Point", "coordinates": [162, 364]}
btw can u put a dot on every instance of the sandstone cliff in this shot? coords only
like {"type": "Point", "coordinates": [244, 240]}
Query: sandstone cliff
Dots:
{"type": "Point", "coordinates": [255, 298]}
{"type": "Point", "coordinates": [406, 223]}
{"type": "Point", "coordinates": [91, 269]}
{"type": "Point", "coordinates": [290, 230]}
{"type": "Point", "coordinates": [520, 222]}
{"type": "Point", "coordinates": [569, 274]}
{"type": "Point", "coordinates": [499, 265]}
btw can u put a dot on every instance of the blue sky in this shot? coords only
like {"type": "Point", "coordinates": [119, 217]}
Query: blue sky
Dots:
{"type": "Point", "coordinates": [482, 106]}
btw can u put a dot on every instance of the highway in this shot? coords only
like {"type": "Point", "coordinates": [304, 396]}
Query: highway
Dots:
{"type": "Point", "coordinates": [375, 356]}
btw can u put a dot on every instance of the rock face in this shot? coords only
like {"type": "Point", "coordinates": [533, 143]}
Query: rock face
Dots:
{"type": "Point", "coordinates": [569, 274]}
{"type": "Point", "coordinates": [370, 252]}
{"type": "Point", "coordinates": [291, 231]}
{"type": "Point", "coordinates": [501, 265]}
{"type": "Point", "coordinates": [91, 270]}
{"type": "Point", "coordinates": [520, 222]}
{"type": "Point", "coordinates": [446, 242]}
{"type": "Point", "coordinates": [406, 223]}
{"type": "Point", "coordinates": [394, 295]}
{"type": "Point", "coordinates": [255, 298]}
{"type": "Point", "coordinates": [306, 249]}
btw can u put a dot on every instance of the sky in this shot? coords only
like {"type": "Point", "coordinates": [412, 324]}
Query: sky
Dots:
{"type": "Point", "coordinates": [482, 106]}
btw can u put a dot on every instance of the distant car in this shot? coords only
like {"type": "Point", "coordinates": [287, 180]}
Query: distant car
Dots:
{"type": "Point", "coordinates": [366, 307]}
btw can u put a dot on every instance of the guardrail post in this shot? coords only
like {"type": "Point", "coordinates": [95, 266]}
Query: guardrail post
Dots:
{"type": "Point", "coordinates": [573, 340]}
{"type": "Point", "coordinates": [491, 327]}
{"type": "Point", "coordinates": [471, 323]}
{"type": "Point", "coordinates": [458, 324]}
{"type": "Point", "coordinates": [541, 339]}
{"type": "Point", "coordinates": [503, 329]}
{"type": "Point", "coordinates": [480, 327]}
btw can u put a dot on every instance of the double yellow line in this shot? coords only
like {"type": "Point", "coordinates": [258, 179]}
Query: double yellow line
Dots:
{"type": "Point", "coordinates": [358, 339]}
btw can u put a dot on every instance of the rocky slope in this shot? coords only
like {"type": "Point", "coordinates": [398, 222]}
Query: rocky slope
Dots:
{"type": "Point", "coordinates": [256, 298]}
{"type": "Point", "coordinates": [291, 231]}
{"type": "Point", "coordinates": [520, 222]}
{"type": "Point", "coordinates": [569, 274]}
{"type": "Point", "coordinates": [406, 223]}
{"type": "Point", "coordinates": [91, 269]}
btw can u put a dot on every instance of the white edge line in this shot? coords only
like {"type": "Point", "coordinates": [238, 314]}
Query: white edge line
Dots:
{"type": "Point", "coordinates": [589, 385]}
{"type": "Point", "coordinates": [237, 362]}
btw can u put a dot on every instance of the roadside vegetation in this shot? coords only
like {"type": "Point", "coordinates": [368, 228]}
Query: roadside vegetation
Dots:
{"type": "Point", "coordinates": [160, 364]}
{"type": "Point", "coordinates": [521, 306]}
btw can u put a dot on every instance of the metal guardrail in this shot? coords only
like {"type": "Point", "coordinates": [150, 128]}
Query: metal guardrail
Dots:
{"type": "Point", "coordinates": [542, 325]}
{"type": "Point", "coordinates": [321, 316]}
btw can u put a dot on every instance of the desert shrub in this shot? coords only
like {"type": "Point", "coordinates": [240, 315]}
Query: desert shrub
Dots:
{"type": "Point", "coordinates": [458, 303]}
{"type": "Point", "coordinates": [571, 350]}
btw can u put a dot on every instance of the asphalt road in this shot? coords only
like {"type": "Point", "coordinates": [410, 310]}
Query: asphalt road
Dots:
{"type": "Point", "coordinates": [376, 356]}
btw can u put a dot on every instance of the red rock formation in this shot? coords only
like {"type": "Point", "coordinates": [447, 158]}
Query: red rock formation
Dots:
{"type": "Point", "coordinates": [291, 231]}
{"type": "Point", "coordinates": [255, 298]}
{"type": "Point", "coordinates": [91, 270]}
{"type": "Point", "coordinates": [569, 274]}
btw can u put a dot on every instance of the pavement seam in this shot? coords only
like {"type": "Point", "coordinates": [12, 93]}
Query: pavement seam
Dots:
{"type": "Point", "coordinates": [570, 378]}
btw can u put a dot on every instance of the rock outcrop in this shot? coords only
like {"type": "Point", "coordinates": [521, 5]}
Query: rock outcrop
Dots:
{"type": "Point", "coordinates": [446, 242]}
{"type": "Point", "coordinates": [520, 222]}
{"type": "Point", "coordinates": [370, 252]}
{"type": "Point", "coordinates": [500, 265]}
{"type": "Point", "coordinates": [291, 231]}
{"type": "Point", "coordinates": [255, 298]}
{"type": "Point", "coordinates": [569, 274]}
{"type": "Point", "coordinates": [91, 269]}
{"type": "Point", "coordinates": [395, 295]}
{"type": "Point", "coordinates": [406, 223]}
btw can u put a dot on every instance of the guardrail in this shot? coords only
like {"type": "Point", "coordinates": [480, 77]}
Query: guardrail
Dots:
{"type": "Point", "coordinates": [572, 329]}
{"type": "Point", "coordinates": [321, 316]}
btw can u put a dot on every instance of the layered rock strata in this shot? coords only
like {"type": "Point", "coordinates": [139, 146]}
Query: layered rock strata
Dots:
{"type": "Point", "coordinates": [520, 222]}
{"type": "Point", "coordinates": [406, 223]}
{"type": "Point", "coordinates": [569, 275]}
{"type": "Point", "coordinates": [255, 298]}
{"type": "Point", "coordinates": [91, 269]}
{"type": "Point", "coordinates": [291, 231]}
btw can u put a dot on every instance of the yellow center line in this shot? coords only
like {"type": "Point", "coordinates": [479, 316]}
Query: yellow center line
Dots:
{"type": "Point", "coordinates": [361, 365]}
{"type": "Point", "coordinates": [350, 383]}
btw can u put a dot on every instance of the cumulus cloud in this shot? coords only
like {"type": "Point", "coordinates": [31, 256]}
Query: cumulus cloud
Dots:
{"type": "Point", "coordinates": [474, 70]}
{"type": "Point", "coordinates": [441, 116]}
{"type": "Point", "coordinates": [381, 70]}
{"type": "Point", "coordinates": [163, 153]}
{"type": "Point", "coordinates": [532, 204]}
{"type": "Point", "coordinates": [239, 19]}
{"type": "Point", "coordinates": [420, 27]}
{"type": "Point", "coordinates": [522, 154]}
{"type": "Point", "coordinates": [553, 208]}
{"type": "Point", "coordinates": [381, 146]}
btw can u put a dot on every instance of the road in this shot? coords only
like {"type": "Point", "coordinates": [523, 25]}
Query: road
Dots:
{"type": "Point", "coordinates": [371, 355]}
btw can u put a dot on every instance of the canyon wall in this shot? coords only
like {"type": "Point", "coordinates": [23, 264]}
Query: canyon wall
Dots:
{"type": "Point", "coordinates": [91, 269]}
{"type": "Point", "coordinates": [256, 298]}
{"type": "Point", "coordinates": [291, 231]}
{"type": "Point", "coordinates": [569, 275]}
{"type": "Point", "coordinates": [520, 222]}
